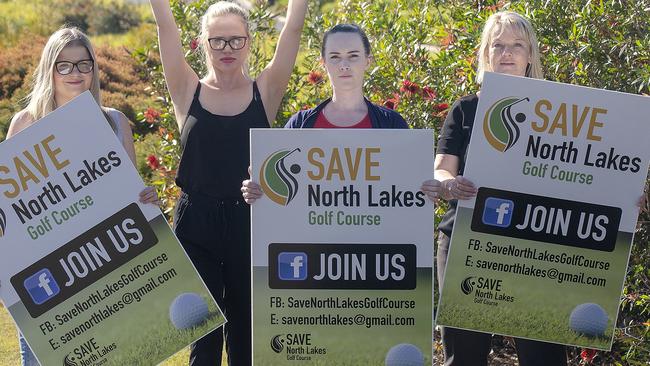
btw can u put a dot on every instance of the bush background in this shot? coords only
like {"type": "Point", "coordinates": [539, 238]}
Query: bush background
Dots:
{"type": "Point", "coordinates": [424, 55]}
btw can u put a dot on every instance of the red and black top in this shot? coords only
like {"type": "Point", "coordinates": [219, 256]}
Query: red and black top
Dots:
{"type": "Point", "coordinates": [323, 122]}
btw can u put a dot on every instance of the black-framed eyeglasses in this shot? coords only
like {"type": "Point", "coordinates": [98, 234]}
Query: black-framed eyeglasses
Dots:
{"type": "Point", "coordinates": [66, 67]}
{"type": "Point", "coordinates": [235, 43]}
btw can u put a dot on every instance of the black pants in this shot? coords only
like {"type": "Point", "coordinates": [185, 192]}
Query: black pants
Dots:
{"type": "Point", "coordinates": [467, 348]}
{"type": "Point", "coordinates": [216, 237]}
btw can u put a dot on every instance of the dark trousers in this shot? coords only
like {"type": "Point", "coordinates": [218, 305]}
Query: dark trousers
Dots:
{"type": "Point", "coordinates": [216, 236]}
{"type": "Point", "coordinates": [467, 348]}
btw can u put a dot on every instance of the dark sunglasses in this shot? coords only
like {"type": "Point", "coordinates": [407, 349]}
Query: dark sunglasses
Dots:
{"type": "Point", "coordinates": [235, 43]}
{"type": "Point", "coordinates": [66, 67]}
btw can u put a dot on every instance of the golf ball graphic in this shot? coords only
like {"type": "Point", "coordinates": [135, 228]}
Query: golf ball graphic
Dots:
{"type": "Point", "coordinates": [188, 310]}
{"type": "Point", "coordinates": [589, 319]}
{"type": "Point", "coordinates": [404, 354]}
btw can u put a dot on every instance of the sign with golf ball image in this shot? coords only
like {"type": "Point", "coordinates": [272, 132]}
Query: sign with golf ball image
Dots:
{"type": "Point", "coordinates": [91, 276]}
{"type": "Point", "coordinates": [541, 252]}
{"type": "Point", "coordinates": [341, 247]}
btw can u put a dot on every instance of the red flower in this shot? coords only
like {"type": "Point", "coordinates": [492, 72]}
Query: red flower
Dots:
{"type": "Point", "coordinates": [151, 115]}
{"type": "Point", "coordinates": [448, 40]}
{"type": "Point", "coordinates": [588, 354]}
{"type": "Point", "coordinates": [441, 107]}
{"type": "Point", "coordinates": [392, 103]}
{"type": "Point", "coordinates": [314, 77]}
{"type": "Point", "coordinates": [153, 162]}
{"type": "Point", "coordinates": [194, 44]}
{"type": "Point", "coordinates": [409, 87]}
{"type": "Point", "coordinates": [428, 93]}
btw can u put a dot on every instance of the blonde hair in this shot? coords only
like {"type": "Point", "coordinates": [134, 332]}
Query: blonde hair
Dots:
{"type": "Point", "coordinates": [41, 100]}
{"type": "Point", "coordinates": [522, 27]}
{"type": "Point", "coordinates": [215, 10]}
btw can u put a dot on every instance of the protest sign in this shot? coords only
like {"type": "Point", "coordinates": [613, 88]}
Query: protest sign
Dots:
{"type": "Point", "coordinates": [342, 246]}
{"type": "Point", "coordinates": [542, 251]}
{"type": "Point", "coordinates": [90, 275]}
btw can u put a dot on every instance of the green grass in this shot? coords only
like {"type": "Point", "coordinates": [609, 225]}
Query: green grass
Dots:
{"type": "Point", "coordinates": [346, 345]}
{"type": "Point", "coordinates": [130, 40]}
{"type": "Point", "coordinates": [542, 306]}
{"type": "Point", "coordinates": [19, 17]}
{"type": "Point", "coordinates": [142, 335]}
{"type": "Point", "coordinates": [9, 354]}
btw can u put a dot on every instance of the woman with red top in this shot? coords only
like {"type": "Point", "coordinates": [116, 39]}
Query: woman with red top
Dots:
{"type": "Point", "coordinates": [345, 54]}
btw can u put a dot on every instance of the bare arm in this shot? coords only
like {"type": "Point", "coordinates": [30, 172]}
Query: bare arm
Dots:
{"type": "Point", "coordinates": [19, 122]}
{"type": "Point", "coordinates": [453, 186]}
{"type": "Point", "coordinates": [148, 194]}
{"type": "Point", "coordinates": [181, 79]}
{"type": "Point", "coordinates": [274, 78]}
{"type": "Point", "coordinates": [127, 137]}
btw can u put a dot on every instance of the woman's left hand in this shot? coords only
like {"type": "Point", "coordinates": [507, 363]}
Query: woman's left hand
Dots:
{"type": "Point", "coordinates": [431, 188]}
{"type": "Point", "coordinates": [149, 195]}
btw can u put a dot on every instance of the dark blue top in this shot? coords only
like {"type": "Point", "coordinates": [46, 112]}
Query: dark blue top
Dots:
{"type": "Point", "coordinates": [380, 117]}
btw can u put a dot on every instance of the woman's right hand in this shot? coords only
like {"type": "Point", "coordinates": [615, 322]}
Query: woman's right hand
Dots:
{"type": "Point", "coordinates": [251, 191]}
{"type": "Point", "coordinates": [458, 188]}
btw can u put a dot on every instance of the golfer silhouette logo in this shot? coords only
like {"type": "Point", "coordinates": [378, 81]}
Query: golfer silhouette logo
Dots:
{"type": "Point", "coordinates": [501, 129]}
{"type": "Point", "coordinates": [277, 343]}
{"type": "Point", "coordinates": [69, 361]}
{"type": "Point", "coordinates": [3, 223]}
{"type": "Point", "coordinates": [467, 286]}
{"type": "Point", "coordinates": [278, 182]}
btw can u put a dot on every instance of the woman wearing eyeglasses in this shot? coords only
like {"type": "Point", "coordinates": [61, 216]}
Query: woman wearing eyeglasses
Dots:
{"type": "Point", "coordinates": [508, 46]}
{"type": "Point", "coordinates": [67, 68]}
{"type": "Point", "coordinates": [214, 114]}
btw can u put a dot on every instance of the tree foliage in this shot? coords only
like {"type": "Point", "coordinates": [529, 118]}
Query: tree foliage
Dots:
{"type": "Point", "coordinates": [424, 59]}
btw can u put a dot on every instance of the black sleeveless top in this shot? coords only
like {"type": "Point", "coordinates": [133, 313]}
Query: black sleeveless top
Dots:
{"type": "Point", "coordinates": [216, 152]}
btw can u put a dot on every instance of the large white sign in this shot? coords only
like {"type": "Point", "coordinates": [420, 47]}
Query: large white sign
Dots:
{"type": "Point", "coordinates": [342, 246]}
{"type": "Point", "coordinates": [542, 251]}
{"type": "Point", "coordinates": [90, 275]}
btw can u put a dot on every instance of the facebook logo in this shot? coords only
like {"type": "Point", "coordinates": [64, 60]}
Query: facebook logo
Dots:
{"type": "Point", "coordinates": [41, 286]}
{"type": "Point", "coordinates": [292, 266]}
{"type": "Point", "coordinates": [498, 212]}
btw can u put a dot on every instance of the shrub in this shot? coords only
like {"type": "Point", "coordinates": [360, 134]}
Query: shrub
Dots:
{"type": "Point", "coordinates": [116, 18]}
{"type": "Point", "coordinates": [424, 60]}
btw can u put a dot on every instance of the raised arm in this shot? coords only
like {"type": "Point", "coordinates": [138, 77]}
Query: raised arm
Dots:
{"type": "Point", "coordinates": [274, 78]}
{"type": "Point", "coordinates": [181, 79]}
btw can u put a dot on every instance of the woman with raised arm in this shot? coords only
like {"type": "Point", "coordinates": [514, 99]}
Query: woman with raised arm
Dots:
{"type": "Point", "coordinates": [345, 54]}
{"type": "Point", "coordinates": [214, 114]}
{"type": "Point", "coordinates": [68, 67]}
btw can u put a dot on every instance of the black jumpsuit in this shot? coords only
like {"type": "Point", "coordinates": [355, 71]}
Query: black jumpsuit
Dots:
{"type": "Point", "coordinates": [213, 222]}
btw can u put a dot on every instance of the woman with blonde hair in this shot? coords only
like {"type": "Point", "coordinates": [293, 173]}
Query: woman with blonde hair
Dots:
{"type": "Point", "coordinates": [68, 67]}
{"type": "Point", "coordinates": [214, 115]}
{"type": "Point", "coordinates": [509, 46]}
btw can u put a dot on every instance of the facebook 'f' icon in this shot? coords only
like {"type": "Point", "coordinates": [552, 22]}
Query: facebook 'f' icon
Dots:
{"type": "Point", "coordinates": [41, 286]}
{"type": "Point", "coordinates": [292, 266]}
{"type": "Point", "coordinates": [498, 212]}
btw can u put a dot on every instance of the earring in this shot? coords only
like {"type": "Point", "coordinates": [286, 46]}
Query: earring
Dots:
{"type": "Point", "coordinates": [528, 70]}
